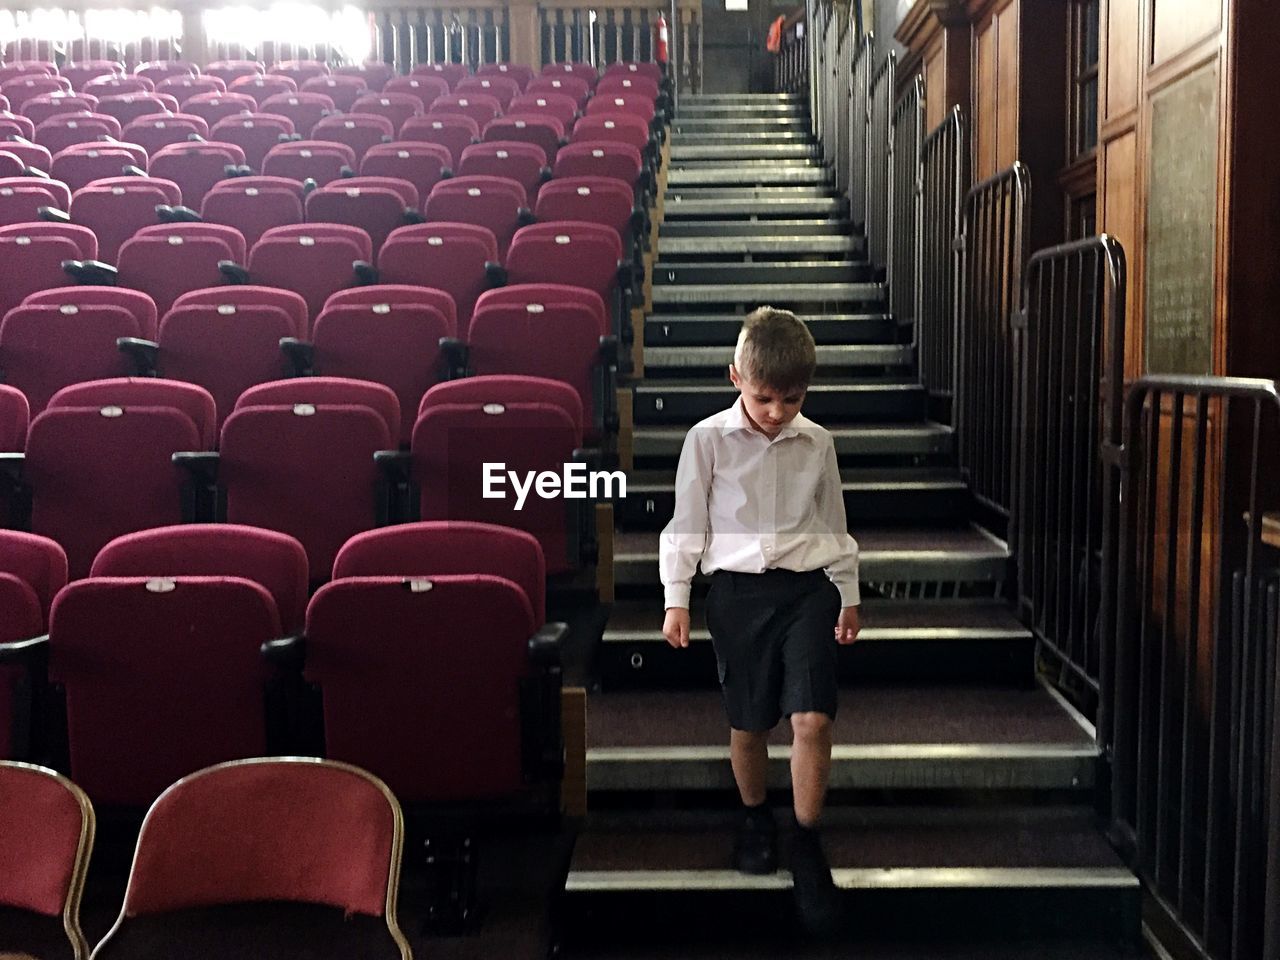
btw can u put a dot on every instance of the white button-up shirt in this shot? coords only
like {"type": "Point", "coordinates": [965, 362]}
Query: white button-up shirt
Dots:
{"type": "Point", "coordinates": [748, 504]}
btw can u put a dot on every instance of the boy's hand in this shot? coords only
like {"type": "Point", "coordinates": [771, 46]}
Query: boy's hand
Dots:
{"type": "Point", "coordinates": [847, 626]}
{"type": "Point", "coordinates": [676, 627]}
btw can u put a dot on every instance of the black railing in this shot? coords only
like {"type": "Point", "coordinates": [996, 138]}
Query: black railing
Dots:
{"type": "Point", "coordinates": [1192, 709]}
{"type": "Point", "coordinates": [879, 153]}
{"type": "Point", "coordinates": [791, 65]}
{"type": "Point", "coordinates": [860, 152]}
{"type": "Point", "coordinates": [942, 190]}
{"type": "Point", "coordinates": [1070, 351]}
{"type": "Point", "coordinates": [993, 253]}
{"type": "Point", "coordinates": [905, 207]}
{"type": "Point", "coordinates": [407, 36]}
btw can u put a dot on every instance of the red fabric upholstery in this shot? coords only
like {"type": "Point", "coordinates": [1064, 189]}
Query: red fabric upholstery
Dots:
{"type": "Point", "coordinates": [194, 401]}
{"type": "Point", "coordinates": [342, 90]}
{"type": "Point", "coordinates": [58, 193]}
{"type": "Point", "coordinates": [313, 259]}
{"type": "Point", "coordinates": [559, 105]}
{"type": "Point", "coordinates": [600, 158]}
{"type": "Point", "coordinates": [299, 71]}
{"type": "Point", "coordinates": [40, 109]}
{"type": "Point", "coordinates": [318, 160]}
{"type": "Point", "coordinates": [425, 89]}
{"type": "Point", "coordinates": [195, 167]}
{"type": "Point", "coordinates": [138, 153]}
{"type": "Point", "coordinates": [45, 348]}
{"type": "Point", "coordinates": [480, 107]}
{"type": "Point", "coordinates": [541, 330]}
{"type": "Point", "coordinates": [452, 442]}
{"type": "Point", "coordinates": [127, 107]}
{"type": "Point", "coordinates": [304, 469]}
{"type": "Point", "coordinates": [272, 559]}
{"type": "Point", "coordinates": [253, 208]}
{"type": "Point", "coordinates": [165, 267]}
{"type": "Point", "coordinates": [117, 208]}
{"type": "Point", "coordinates": [509, 388]}
{"type": "Point", "coordinates": [512, 159]}
{"type": "Point", "coordinates": [628, 104]}
{"type": "Point", "coordinates": [39, 563]}
{"type": "Point", "coordinates": [272, 829]}
{"type": "Point", "coordinates": [359, 131]}
{"type": "Point", "coordinates": [213, 107]}
{"type": "Point", "coordinates": [25, 88]}
{"type": "Point", "coordinates": [304, 110]}
{"type": "Point", "coordinates": [79, 168]}
{"type": "Point", "coordinates": [627, 85]}
{"type": "Point", "coordinates": [375, 208]}
{"type": "Point", "coordinates": [375, 74]}
{"type": "Point", "coordinates": [431, 548]}
{"type": "Point", "coordinates": [502, 89]}
{"type": "Point", "coordinates": [453, 131]}
{"type": "Point", "coordinates": [31, 262]}
{"type": "Point", "coordinates": [31, 154]}
{"type": "Point", "coordinates": [15, 415]}
{"type": "Point", "coordinates": [491, 202]}
{"type": "Point", "coordinates": [185, 87]}
{"type": "Point", "coordinates": [160, 130]}
{"type": "Point", "coordinates": [15, 124]}
{"type": "Point", "coordinates": [601, 200]}
{"type": "Point", "coordinates": [393, 105]}
{"type": "Point", "coordinates": [95, 477]}
{"type": "Point", "coordinates": [544, 130]}
{"type": "Point", "coordinates": [450, 73]}
{"type": "Point", "coordinates": [21, 202]}
{"type": "Point", "coordinates": [232, 238]}
{"type": "Point", "coordinates": [575, 87]}
{"type": "Point", "coordinates": [176, 674]}
{"type": "Point", "coordinates": [623, 127]}
{"type": "Point", "coordinates": [334, 391]}
{"type": "Point", "coordinates": [420, 164]}
{"type": "Point", "coordinates": [518, 72]}
{"type": "Point", "coordinates": [394, 342]}
{"type": "Point", "coordinates": [261, 87]}
{"type": "Point", "coordinates": [135, 301]}
{"type": "Point", "coordinates": [11, 165]}
{"type": "Point", "coordinates": [58, 133]}
{"type": "Point", "coordinates": [443, 664]}
{"type": "Point", "coordinates": [584, 70]}
{"type": "Point", "coordinates": [108, 86]}
{"type": "Point", "coordinates": [447, 256]}
{"type": "Point", "coordinates": [255, 133]}
{"type": "Point", "coordinates": [80, 73]}
{"type": "Point", "coordinates": [651, 70]}
{"type": "Point", "coordinates": [157, 71]}
{"type": "Point", "coordinates": [249, 295]}
{"type": "Point", "coordinates": [45, 833]}
{"type": "Point", "coordinates": [82, 237]}
{"type": "Point", "coordinates": [229, 71]}
{"type": "Point", "coordinates": [570, 252]}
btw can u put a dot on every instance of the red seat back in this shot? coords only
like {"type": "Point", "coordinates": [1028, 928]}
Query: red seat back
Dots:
{"type": "Point", "coordinates": [312, 259]}
{"type": "Point", "coordinates": [191, 399]}
{"type": "Point", "coordinates": [421, 164]}
{"type": "Point", "coordinates": [136, 302]}
{"type": "Point", "coordinates": [212, 107]}
{"type": "Point", "coordinates": [304, 110]}
{"type": "Point", "coordinates": [448, 256]}
{"type": "Point", "coordinates": [491, 202]}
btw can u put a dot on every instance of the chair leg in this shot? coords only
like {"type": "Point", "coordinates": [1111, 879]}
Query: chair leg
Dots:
{"type": "Point", "coordinates": [453, 893]}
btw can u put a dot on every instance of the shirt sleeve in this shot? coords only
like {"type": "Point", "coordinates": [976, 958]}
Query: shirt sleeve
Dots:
{"type": "Point", "coordinates": [685, 537]}
{"type": "Point", "coordinates": [843, 571]}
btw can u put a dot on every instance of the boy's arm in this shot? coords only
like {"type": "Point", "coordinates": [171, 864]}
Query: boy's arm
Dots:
{"type": "Point", "coordinates": [843, 571]}
{"type": "Point", "coordinates": [685, 537]}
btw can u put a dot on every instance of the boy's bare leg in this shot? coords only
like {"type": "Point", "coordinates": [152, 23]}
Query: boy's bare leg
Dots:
{"type": "Point", "coordinates": [749, 754]}
{"type": "Point", "coordinates": [810, 765]}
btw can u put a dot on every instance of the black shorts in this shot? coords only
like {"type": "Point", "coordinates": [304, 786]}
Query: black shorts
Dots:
{"type": "Point", "coordinates": [774, 637]}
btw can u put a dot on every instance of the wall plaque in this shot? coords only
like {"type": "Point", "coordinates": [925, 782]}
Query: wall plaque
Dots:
{"type": "Point", "coordinates": [1181, 225]}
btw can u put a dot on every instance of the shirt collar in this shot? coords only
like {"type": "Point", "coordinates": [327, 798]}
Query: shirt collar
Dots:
{"type": "Point", "coordinates": [737, 420]}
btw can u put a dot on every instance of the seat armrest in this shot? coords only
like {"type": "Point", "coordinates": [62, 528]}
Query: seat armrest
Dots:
{"type": "Point", "coordinates": [546, 644]}
{"type": "Point", "coordinates": [453, 354]}
{"type": "Point", "coordinates": [168, 214]}
{"type": "Point", "coordinates": [27, 652]}
{"type": "Point", "coordinates": [132, 170]}
{"type": "Point", "coordinates": [524, 217]}
{"type": "Point", "coordinates": [412, 216]}
{"type": "Point", "coordinates": [141, 353]}
{"type": "Point", "coordinates": [231, 171]}
{"type": "Point", "coordinates": [234, 273]}
{"type": "Point", "coordinates": [195, 138]}
{"type": "Point", "coordinates": [446, 173]}
{"type": "Point", "coordinates": [545, 175]}
{"type": "Point", "coordinates": [365, 273]}
{"type": "Point", "coordinates": [200, 493]}
{"type": "Point", "coordinates": [310, 185]}
{"type": "Point", "coordinates": [53, 215]}
{"type": "Point", "coordinates": [285, 651]}
{"type": "Point", "coordinates": [15, 489]}
{"type": "Point", "coordinates": [300, 355]}
{"type": "Point", "coordinates": [395, 465]}
{"type": "Point", "coordinates": [605, 407]}
{"type": "Point", "coordinates": [36, 172]}
{"type": "Point", "coordinates": [396, 502]}
{"type": "Point", "coordinates": [495, 274]}
{"type": "Point", "coordinates": [93, 272]}
{"type": "Point", "coordinates": [202, 465]}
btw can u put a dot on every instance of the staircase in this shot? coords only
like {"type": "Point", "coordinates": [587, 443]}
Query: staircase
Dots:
{"type": "Point", "coordinates": [962, 788]}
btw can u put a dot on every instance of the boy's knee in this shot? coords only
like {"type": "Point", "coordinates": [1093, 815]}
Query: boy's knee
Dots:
{"type": "Point", "coordinates": [810, 725]}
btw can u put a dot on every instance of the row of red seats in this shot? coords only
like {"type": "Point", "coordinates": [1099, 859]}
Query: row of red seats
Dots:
{"type": "Point", "coordinates": [284, 830]}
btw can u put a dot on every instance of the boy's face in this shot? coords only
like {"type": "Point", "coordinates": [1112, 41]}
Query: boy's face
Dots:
{"type": "Point", "coordinates": [768, 408]}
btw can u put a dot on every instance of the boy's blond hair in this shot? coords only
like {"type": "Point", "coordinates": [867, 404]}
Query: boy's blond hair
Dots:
{"type": "Point", "coordinates": [775, 349]}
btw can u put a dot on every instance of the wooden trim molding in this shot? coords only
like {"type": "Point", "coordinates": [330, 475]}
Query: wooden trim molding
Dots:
{"type": "Point", "coordinates": [1080, 178]}
{"type": "Point", "coordinates": [926, 18]}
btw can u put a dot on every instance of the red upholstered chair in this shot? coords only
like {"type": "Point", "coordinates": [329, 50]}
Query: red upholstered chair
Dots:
{"type": "Point", "coordinates": [39, 109]}
{"type": "Point", "coordinates": [274, 560]}
{"type": "Point", "coordinates": [196, 167]}
{"type": "Point", "coordinates": [158, 71]}
{"type": "Point", "coordinates": [519, 72]}
{"type": "Point", "coordinates": [480, 107]}
{"type": "Point", "coordinates": [261, 87]}
{"type": "Point", "coordinates": [502, 89]}
{"type": "Point", "coordinates": [394, 106]}
{"type": "Point", "coordinates": [79, 168]}
{"type": "Point", "coordinates": [525, 163]}
{"type": "Point", "coordinates": [553, 331]}
{"type": "Point", "coordinates": [304, 110]}
{"type": "Point", "coordinates": [299, 71]}
{"type": "Point", "coordinates": [213, 107]}
{"type": "Point", "coordinates": [623, 127]}
{"type": "Point", "coordinates": [172, 666]}
{"type": "Point", "coordinates": [127, 107]}
{"type": "Point", "coordinates": [496, 203]}
{"type": "Point", "coordinates": [229, 71]}
{"type": "Point", "coordinates": [575, 87]}
{"type": "Point", "coordinates": [159, 130]}
{"type": "Point", "coordinates": [585, 71]}
{"type": "Point", "coordinates": [109, 86]}
{"type": "Point", "coordinates": [191, 399]}
{"type": "Point", "coordinates": [15, 417]}
{"type": "Point", "coordinates": [389, 335]}
{"type": "Point", "coordinates": [342, 90]}
{"type": "Point", "coordinates": [574, 253]}
{"type": "Point", "coordinates": [450, 73]}
{"type": "Point", "coordinates": [136, 302]}
{"type": "Point", "coordinates": [448, 256]}
{"type": "Point", "coordinates": [96, 473]}
{"type": "Point", "coordinates": [359, 131]}
{"type": "Point", "coordinates": [376, 205]}
{"type": "Point", "coordinates": [562, 106]}
{"type": "Point", "coordinates": [374, 74]}
{"type": "Point", "coordinates": [318, 160]}
{"type": "Point", "coordinates": [255, 133]}
{"type": "Point", "coordinates": [46, 838]}
{"type": "Point", "coordinates": [422, 164]}
{"type": "Point", "coordinates": [633, 84]}
{"type": "Point", "coordinates": [279, 831]}
{"type": "Point", "coordinates": [249, 295]}
{"type": "Point", "coordinates": [82, 237]}
{"type": "Point", "coordinates": [425, 89]}
{"type": "Point", "coordinates": [22, 197]}
{"type": "Point", "coordinates": [313, 260]}
{"type": "Point", "coordinates": [30, 262]}
{"type": "Point", "coordinates": [453, 131]}
{"type": "Point", "coordinates": [80, 72]}
{"type": "Point", "coordinates": [600, 158]}
{"type": "Point", "coordinates": [602, 200]}
{"type": "Point", "coordinates": [540, 128]}
{"type": "Point", "coordinates": [183, 257]}
{"type": "Point", "coordinates": [117, 208]}
{"type": "Point", "coordinates": [298, 456]}
{"type": "Point", "coordinates": [253, 205]}
{"type": "Point", "coordinates": [530, 427]}
{"type": "Point", "coordinates": [639, 67]}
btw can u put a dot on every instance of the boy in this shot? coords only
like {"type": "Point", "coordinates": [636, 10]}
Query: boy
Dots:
{"type": "Point", "coordinates": [759, 503]}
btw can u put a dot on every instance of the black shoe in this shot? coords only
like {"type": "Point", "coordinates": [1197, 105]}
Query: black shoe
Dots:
{"type": "Point", "coordinates": [755, 849]}
{"type": "Point", "coordinates": [815, 891]}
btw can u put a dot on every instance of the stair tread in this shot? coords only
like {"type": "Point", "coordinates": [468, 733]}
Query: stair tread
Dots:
{"type": "Point", "coordinates": [901, 840]}
{"type": "Point", "coordinates": [939, 542]}
{"type": "Point", "coordinates": [923, 719]}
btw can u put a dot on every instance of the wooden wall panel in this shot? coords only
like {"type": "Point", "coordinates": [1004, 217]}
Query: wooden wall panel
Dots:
{"type": "Point", "coordinates": [985, 101]}
{"type": "Point", "coordinates": [1008, 92]}
{"type": "Point", "coordinates": [1123, 29]}
{"type": "Point", "coordinates": [1178, 24]}
{"type": "Point", "coordinates": [935, 85]}
{"type": "Point", "coordinates": [1119, 217]}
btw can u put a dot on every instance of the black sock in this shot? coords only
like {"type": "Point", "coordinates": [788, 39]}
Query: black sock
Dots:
{"type": "Point", "coordinates": [759, 813]}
